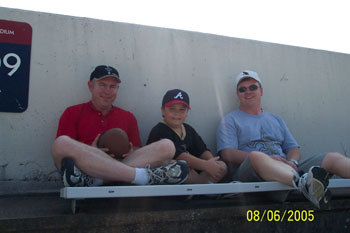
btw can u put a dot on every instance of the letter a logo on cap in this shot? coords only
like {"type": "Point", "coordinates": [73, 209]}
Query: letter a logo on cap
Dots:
{"type": "Point", "coordinates": [179, 95]}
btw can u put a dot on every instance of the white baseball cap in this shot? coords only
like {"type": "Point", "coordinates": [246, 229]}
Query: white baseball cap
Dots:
{"type": "Point", "coordinates": [247, 74]}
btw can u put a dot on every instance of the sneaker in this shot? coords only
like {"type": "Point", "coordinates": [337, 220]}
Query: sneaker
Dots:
{"type": "Point", "coordinates": [313, 184]}
{"type": "Point", "coordinates": [173, 173]}
{"type": "Point", "coordinates": [72, 176]}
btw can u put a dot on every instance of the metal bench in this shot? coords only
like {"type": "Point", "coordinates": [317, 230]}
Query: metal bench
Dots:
{"type": "Point", "coordinates": [76, 193]}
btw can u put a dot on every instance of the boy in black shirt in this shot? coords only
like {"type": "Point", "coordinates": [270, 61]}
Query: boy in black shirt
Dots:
{"type": "Point", "coordinates": [204, 167]}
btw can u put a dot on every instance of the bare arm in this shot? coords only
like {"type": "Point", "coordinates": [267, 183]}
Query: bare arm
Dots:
{"type": "Point", "coordinates": [293, 153]}
{"type": "Point", "coordinates": [206, 163]}
{"type": "Point", "coordinates": [207, 155]}
{"type": "Point", "coordinates": [193, 161]}
{"type": "Point", "coordinates": [233, 156]}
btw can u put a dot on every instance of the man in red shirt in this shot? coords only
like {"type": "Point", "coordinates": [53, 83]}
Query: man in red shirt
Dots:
{"type": "Point", "coordinates": [83, 164]}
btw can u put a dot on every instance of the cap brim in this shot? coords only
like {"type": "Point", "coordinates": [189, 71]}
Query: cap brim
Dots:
{"type": "Point", "coordinates": [114, 76]}
{"type": "Point", "coordinates": [177, 102]}
{"type": "Point", "coordinates": [246, 77]}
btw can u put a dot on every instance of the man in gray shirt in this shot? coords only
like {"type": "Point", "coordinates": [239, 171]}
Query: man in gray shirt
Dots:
{"type": "Point", "coordinates": [263, 148]}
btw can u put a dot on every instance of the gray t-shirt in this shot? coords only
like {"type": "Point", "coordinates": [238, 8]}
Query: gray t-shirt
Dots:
{"type": "Point", "coordinates": [265, 132]}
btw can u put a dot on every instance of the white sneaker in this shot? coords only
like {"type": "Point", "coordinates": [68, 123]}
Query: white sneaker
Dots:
{"type": "Point", "coordinates": [173, 173]}
{"type": "Point", "coordinates": [313, 184]}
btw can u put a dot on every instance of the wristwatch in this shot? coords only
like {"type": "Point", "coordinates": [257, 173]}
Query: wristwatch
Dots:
{"type": "Point", "coordinates": [294, 161]}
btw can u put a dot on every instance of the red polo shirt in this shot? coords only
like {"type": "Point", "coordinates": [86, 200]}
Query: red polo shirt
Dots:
{"type": "Point", "coordinates": [82, 123]}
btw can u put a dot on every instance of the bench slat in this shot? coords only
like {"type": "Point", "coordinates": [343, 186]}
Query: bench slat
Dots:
{"type": "Point", "coordinates": [185, 189]}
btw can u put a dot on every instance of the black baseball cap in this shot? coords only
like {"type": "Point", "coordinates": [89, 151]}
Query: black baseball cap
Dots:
{"type": "Point", "coordinates": [103, 71]}
{"type": "Point", "coordinates": [176, 96]}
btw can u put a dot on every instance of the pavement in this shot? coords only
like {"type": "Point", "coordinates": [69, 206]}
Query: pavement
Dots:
{"type": "Point", "coordinates": [47, 212]}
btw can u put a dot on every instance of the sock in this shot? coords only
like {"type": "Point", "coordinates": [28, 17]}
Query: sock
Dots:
{"type": "Point", "coordinates": [296, 179]}
{"type": "Point", "coordinates": [141, 176]}
{"type": "Point", "coordinates": [97, 182]}
{"type": "Point", "coordinates": [295, 182]}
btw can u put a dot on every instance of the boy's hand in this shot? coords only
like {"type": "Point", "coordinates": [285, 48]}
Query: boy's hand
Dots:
{"type": "Point", "coordinates": [216, 169]}
{"type": "Point", "coordinates": [223, 171]}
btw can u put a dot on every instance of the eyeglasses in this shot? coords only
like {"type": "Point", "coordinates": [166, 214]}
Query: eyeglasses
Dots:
{"type": "Point", "coordinates": [251, 88]}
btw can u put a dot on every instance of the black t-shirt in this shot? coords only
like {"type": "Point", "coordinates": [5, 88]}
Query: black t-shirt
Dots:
{"type": "Point", "coordinates": [192, 143]}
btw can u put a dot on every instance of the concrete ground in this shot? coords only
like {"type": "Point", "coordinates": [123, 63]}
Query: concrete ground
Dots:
{"type": "Point", "coordinates": [49, 213]}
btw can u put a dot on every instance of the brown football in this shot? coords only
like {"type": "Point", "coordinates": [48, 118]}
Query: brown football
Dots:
{"type": "Point", "coordinates": [116, 140]}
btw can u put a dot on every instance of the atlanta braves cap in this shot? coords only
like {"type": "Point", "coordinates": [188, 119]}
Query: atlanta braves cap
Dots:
{"type": "Point", "coordinates": [176, 96]}
{"type": "Point", "coordinates": [104, 71]}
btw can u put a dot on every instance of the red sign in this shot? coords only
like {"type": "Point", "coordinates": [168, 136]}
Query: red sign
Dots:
{"type": "Point", "coordinates": [15, 32]}
{"type": "Point", "coordinates": [15, 51]}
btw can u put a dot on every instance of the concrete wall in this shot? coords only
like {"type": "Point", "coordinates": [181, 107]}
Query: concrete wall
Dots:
{"type": "Point", "coordinates": [309, 88]}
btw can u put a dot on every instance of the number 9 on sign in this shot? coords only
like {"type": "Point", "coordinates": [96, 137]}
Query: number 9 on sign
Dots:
{"type": "Point", "coordinates": [14, 66]}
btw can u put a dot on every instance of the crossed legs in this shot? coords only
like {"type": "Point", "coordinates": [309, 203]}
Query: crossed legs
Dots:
{"type": "Point", "coordinates": [156, 154]}
{"type": "Point", "coordinates": [96, 163]}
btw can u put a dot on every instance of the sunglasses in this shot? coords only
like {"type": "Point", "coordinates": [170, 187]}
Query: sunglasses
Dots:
{"type": "Point", "coordinates": [251, 88]}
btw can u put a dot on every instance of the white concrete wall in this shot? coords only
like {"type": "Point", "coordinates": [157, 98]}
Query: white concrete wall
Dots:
{"type": "Point", "coordinates": [309, 88]}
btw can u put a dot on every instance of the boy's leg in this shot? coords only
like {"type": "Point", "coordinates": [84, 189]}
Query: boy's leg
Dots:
{"type": "Point", "coordinates": [198, 178]}
{"type": "Point", "coordinates": [195, 178]}
{"type": "Point", "coordinates": [203, 177]}
{"type": "Point", "coordinates": [155, 154]}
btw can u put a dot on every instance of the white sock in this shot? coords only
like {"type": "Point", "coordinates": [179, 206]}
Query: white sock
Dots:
{"type": "Point", "coordinates": [141, 176]}
{"type": "Point", "coordinates": [295, 184]}
{"type": "Point", "coordinates": [97, 182]}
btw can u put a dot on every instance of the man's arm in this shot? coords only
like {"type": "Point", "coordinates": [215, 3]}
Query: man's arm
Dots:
{"type": "Point", "coordinates": [293, 154]}
{"type": "Point", "coordinates": [292, 158]}
{"type": "Point", "coordinates": [67, 124]}
{"type": "Point", "coordinates": [233, 155]}
{"type": "Point", "coordinates": [227, 141]}
{"type": "Point", "coordinates": [133, 132]}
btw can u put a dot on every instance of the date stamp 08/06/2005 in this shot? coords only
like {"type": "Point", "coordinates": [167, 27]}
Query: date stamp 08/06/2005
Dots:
{"type": "Point", "coordinates": [280, 216]}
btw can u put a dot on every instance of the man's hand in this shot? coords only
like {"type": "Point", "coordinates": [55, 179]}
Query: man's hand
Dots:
{"type": "Point", "coordinates": [94, 144]}
{"type": "Point", "coordinates": [278, 158]}
{"type": "Point", "coordinates": [290, 163]}
{"type": "Point", "coordinates": [131, 149]}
